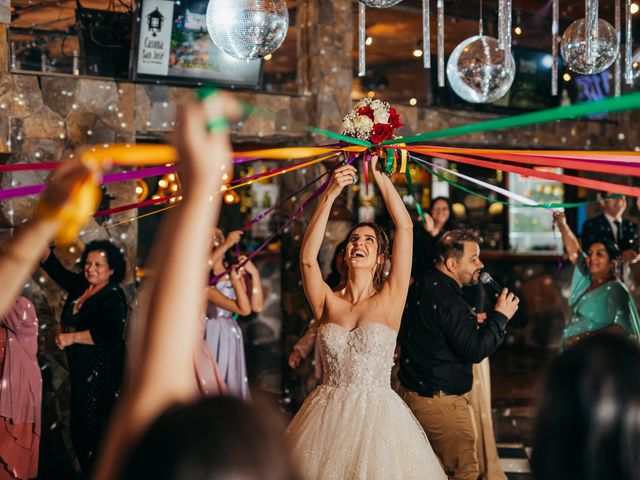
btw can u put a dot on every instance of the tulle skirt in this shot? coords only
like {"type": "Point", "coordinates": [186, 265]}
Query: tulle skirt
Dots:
{"type": "Point", "coordinates": [349, 433]}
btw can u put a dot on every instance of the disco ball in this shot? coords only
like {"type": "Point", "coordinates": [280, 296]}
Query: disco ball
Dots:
{"type": "Point", "coordinates": [478, 72]}
{"type": "Point", "coordinates": [604, 46]}
{"type": "Point", "coordinates": [380, 3]}
{"type": "Point", "coordinates": [635, 68]}
{"type": "Point", "coordinates": [247, 29]}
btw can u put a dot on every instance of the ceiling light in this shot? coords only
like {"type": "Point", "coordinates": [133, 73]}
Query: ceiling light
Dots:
{"type": "Point", "coordinates": [417, 52]}
{"type": "Point", "coordinates": [368, 41]}
{"type": "Point", "coordinates": [413, 101]}
{"type": "Point", "coordinates": [517, 31]}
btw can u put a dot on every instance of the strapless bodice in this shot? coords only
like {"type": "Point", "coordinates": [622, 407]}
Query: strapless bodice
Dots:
{"type": "Point", "coordinates": [360, 358]}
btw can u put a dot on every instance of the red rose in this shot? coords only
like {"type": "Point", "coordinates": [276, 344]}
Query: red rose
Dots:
{"type": "Point", "coordinates": [381, 132]}
{"type": "Point", "coordinates": [366, 111]}
{"type": "Point", "coordinates": [394, 119]}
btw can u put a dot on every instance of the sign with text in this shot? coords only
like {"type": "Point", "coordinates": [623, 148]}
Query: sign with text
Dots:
{"type": "Point", "coordinates": [154, 48]}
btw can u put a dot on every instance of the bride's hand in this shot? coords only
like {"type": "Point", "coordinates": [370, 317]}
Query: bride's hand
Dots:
{"type": "Point", "coordinates": [341, 177]}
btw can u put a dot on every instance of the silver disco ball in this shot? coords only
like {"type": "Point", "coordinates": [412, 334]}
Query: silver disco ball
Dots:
{"type": "Point", "coordinates": [635, 68]}
{"type": "Point", "coordinates": [477, 70]}
{"type": "Point", "coordinates": [247, 29]}
{"type": "Point", "coordinates": [380, 3]}
{"type": "Point", "coordinates": [574, 45]}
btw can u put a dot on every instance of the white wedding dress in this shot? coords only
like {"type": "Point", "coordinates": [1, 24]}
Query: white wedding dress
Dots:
{"type": "Point", "coordinates": [354, 426]}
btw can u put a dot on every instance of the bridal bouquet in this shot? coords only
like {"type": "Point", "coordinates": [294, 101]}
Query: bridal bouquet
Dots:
{"type": "Point", "coordinates": [372, 120]}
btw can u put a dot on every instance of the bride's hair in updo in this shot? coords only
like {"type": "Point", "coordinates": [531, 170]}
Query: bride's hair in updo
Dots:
{"type": "Point", "coordinates": [383, 249]}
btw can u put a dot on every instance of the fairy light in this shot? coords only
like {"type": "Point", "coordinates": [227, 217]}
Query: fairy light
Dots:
{"type": "Point", "coordinates": [368, 41]}
{"type": "Point", "coordinates": [413, 102]}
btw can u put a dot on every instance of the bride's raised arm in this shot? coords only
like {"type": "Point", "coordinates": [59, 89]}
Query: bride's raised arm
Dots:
{"type": "Point", "coordinates": [315, 287]}
{"type": "Point", "coordinates": [400, 273]}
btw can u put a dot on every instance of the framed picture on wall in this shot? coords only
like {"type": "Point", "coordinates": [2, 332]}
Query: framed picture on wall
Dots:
{"type": "Point", "coordinates": [173, 46]}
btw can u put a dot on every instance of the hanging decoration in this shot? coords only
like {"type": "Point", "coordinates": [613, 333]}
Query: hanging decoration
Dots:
{"type": "Point", "coordinates": [617, 74]}
{"type": "Point", "coordinates": [628, 66]}
{"type": "Point", "coordinates": [589, 45]}
{"type": "Point", "coordinates": [380, 3]}
{"type": "Point", "coordinates": [479, 71]}
{"type": "Point", "coordinates": [504, 25]}
{"type": "Point", "coordinates": [362, 33]}
{"type": "Point", "coordinates": [635, 68]}
{"type": "Point", "coordinates": [247, 29]}
{"type": "Point", "coordinates": [440, 39]}
{"type": "Point", "coordinates": [362, 28]}
{"type": "Point", "coordinates": [555, 12]}
{"type": "Point", "coordinates": [426, 35]}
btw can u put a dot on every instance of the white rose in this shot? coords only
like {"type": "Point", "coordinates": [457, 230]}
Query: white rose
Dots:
{"type": "Point", "coordinates": [363, 123]}
{"type": "Point", "coordinates": [377, 105]}
{"type": "Point", "coordinates": [380, 116]}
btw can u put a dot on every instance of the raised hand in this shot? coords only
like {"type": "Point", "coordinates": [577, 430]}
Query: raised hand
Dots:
{"type": "Point", "coordinates": [341, 177]}
{"type": "Point", "coordinates": [233, 237]}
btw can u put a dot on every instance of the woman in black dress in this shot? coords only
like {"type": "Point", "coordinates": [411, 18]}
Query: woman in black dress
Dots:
{"type": "Point", "coordinates": [93, 325]}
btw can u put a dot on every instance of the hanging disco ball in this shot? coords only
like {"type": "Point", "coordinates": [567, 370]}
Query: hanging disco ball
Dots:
{"type": "Point", "coordinates": [574, 45]}
{"type": "Point", "coordinates": [380, 3]}
{"type": "Point", "coordinates": [477, 70]}
{"type": "Point", "coordinates": [247, 29]}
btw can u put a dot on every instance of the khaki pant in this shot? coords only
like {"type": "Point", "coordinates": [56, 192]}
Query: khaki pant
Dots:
{"type": "Point", "coordinates": [450, 426]}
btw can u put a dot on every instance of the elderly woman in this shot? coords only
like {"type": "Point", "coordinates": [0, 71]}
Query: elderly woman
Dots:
{"type": "Point", "coordinates": [93, 324]}
{"type": "Point", "coordinates": [599, 301]}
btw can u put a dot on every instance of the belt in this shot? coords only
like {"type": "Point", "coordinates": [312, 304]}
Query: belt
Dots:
{"type": "Point", "coordinates": [434, 393]}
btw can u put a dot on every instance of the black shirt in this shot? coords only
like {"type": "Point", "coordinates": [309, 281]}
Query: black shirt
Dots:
{"type": "Point", "coordinates": [440, 338]}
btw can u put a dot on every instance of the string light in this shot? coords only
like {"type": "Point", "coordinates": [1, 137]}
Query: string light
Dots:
{"type": "Point", "coordinates": [517, 31]}
{"type": "Point", "coordinates": [368, 41]}
{"type": "Point", "coordinates": [413, 101]}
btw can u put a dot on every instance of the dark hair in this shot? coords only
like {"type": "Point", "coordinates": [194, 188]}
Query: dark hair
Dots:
{"type": "Point", "coordinates": [115, 258]}
{"type": "Point", "coordinates": [336, 276]}
{"type": "Point", "coordinates": [215, 438]}
{"type": "Point", "coordinates": [612, 249]}
{"type": "Point", "coordinates": [451, 244]}
{"type": "Point", "coordinates": [588, 423]}
{"type": "Point", "coordinates": [452, 221]}
{"type": "Point", "coordinates": [383, 249]}
{"type": "Point", "coordinates": [603, 194]}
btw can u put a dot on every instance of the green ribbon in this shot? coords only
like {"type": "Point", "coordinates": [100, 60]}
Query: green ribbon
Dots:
{"type": "Point", "coordinates": [391, 156]}
{"type": "Point", "coordinates": [412, 191]}
{"type": "Point", "coordinates": [495, 200]}
{"type": "Point", "coordinates": [337, 136]}
{"type": "Point", "coordinates": [608, 105]}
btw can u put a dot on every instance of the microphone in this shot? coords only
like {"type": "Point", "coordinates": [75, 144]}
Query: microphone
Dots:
{"type": "Point", "coordinates": [486, 279]}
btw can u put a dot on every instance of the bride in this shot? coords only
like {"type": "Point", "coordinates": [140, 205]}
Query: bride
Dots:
{"type": "Point", "coordinates": [354, 426]}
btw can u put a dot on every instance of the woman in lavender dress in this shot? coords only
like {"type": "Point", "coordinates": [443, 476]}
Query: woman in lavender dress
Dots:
{"type": "Point", "coordinates": [223, 334]}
